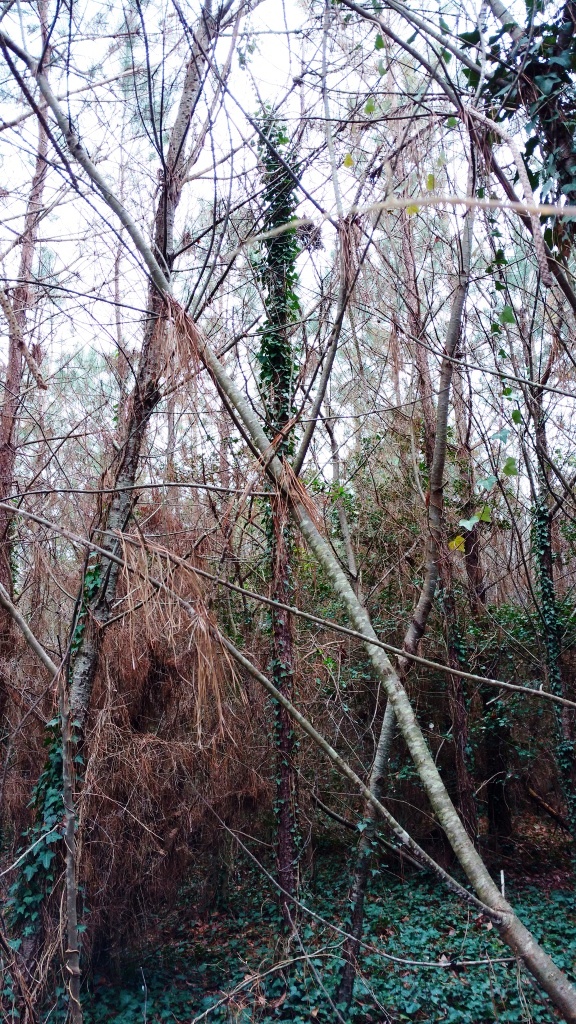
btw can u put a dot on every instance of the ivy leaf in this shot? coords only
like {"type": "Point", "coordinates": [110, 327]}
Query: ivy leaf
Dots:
{"type": "Point", "coordinates": [370, 106]}
{"type": "Point", "coordinates": [488, 482]}
{"type": "Point", "coordinates": [507, 315]}
{"type": "Point", "coordinates": [451, 122]}
{"type": "Point", "coordinates": [516, 416]}
{"type": "Point", "coordinates": [348, 160]}
{"type": "Point", "coordinates": [510, 468]}
{"type": "Point", "coordinates": [501, 435]}
{"type": "Point", "coordinates": [485, 515]}
{"type": "Point", "coordinates": [457, 543]}
{"type": "Point", "coordinates": [469, 524]}
{"type": "Point", "coordinates": [378, 42]}
{"type": "Point", "coordinates": [471, 38]}
{"type": "Point", "coordinates": [430, 182]}
{"type": "Point", "coordinates": [412, 209]}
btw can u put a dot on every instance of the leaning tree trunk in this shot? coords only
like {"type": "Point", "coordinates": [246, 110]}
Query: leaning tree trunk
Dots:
{"type": "Point", "coordinates": [510, 928]}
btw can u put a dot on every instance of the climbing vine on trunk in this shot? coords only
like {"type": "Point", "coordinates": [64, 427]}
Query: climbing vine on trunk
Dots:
{"type": "Point", "coordinates": [278, 277]}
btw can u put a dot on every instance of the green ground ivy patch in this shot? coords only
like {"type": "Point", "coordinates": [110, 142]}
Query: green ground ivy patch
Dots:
{"type": "Point", "coordinates": [194, 963]}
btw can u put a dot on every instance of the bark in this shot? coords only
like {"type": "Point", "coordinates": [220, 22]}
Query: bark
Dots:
{"type": "Point", "coordinates": [342, 517]}
{"type": "Point", "coordinates": [152, 365]}
{"type": "Point", "coordinates": [14, 309]}
{"type": "Point", "coordinates": [417, 331]}
{"type": "Point", "coordinates": [438, 570]}
{"type": "Point", "coordinates": [18, 355]}
{"type": "Point", "coordinates": [435, 433]}
{"type": "Point", "coordinates": [557, 682]}
{"type": "Point", "coordinates": [496, 748]}
{"type": "Point", "coordinates": [472, 558]}
{"type": "Point", "coordinates": [512, 931]}
{"type": "Point", "coordinates": [365, 849]}
{"type": "Point", "coordinates": [286, 746]}
{"type": "Point", "coordinates": [72, 951]}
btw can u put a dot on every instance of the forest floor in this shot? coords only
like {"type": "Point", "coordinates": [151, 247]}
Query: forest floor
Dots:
{"type": "Point", "coordinates": [225, 964]}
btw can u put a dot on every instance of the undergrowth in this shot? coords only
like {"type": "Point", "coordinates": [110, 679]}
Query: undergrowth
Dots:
{"type": "Point", "coordinates": [194, 964]}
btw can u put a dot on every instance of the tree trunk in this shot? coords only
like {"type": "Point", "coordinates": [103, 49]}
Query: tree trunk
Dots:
{"type": "Point", "coordinates": [435, 432]}
{"type": "Point", "coordinates": [15, 309]}
{"type": "Point", "coordinates": [286, 745]}
{"type": "Point", "coordinates": [96, 611]}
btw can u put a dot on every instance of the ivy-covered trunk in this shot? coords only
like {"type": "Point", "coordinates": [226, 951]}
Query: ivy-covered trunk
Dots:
{"type": "Point", "coordinates": [277, 272]}
{"type": "Point", "coordinates": [285, 738]}
{"type": "Point", "coordinates": [549, 614]}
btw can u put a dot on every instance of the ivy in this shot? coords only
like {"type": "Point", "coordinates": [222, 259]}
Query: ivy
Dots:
{"type": "Point", "coordinates": [537, 73]}
{"type": "Point", "coordinates": [278, 276]}
{"type": "Point", "coordinates": [37, 869]}
{"type": "Point", "coordinates": [42, 841]}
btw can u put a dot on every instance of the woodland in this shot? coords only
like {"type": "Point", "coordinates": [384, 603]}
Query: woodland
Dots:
{"type": "Point", "coordinates": [287, 511]}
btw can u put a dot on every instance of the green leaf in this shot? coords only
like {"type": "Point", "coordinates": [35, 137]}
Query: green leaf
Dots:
{"type": "Point", "coordinates": [378, 42]}
{"type": "Point", "coordinates": [507, 315]}
{"type": "Point", "coordinates": [457, 543]}
{"type": "Point", "coordinates": [430, 182]}
{"type": "Point", "coordinates": [348, 160]}
{"type": "Point", "coordinates": [370, 106]}
{"type": "Point", "coordinates": [516, 416]}
{"type": "Point", "coordinates": [412, 209]}
{"type": "Point", "coordinates": [510, 468]}
{"type": "Point", "coordinates": [501, 435]}
{"type": "Point", "coordinates": [469, 524]}
{"type": "Point", "coordinates": [485, 515]}
{"type": "Point", "coordinates": [487, 483]}
{"type": "Point", "coordinates": [471, 38]}
{"type": "Point", "coordinates": [451, 122]}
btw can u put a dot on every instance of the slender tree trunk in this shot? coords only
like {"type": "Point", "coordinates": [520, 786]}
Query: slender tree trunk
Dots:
{"type": "Point", "coordinates": [15, 311]}
{"type": "Point", "coordinates": [283, 679]}
{"type": "Point", "coordinates": [458, 710]}
{"type": "Point", "coordinates": [438, 571]}
{"type": "Point", "coordinates": [435, 443]}
{"type": "Point", "coordinates": [364, 852]}
{"type": "Point", "coordinates": [544, 558]}
{"type": "Point", "coordinates": [147, 392]}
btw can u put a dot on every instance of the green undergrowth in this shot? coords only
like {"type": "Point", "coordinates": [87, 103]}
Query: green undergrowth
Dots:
{"type": "Point", "coordinates": [194, 963]}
